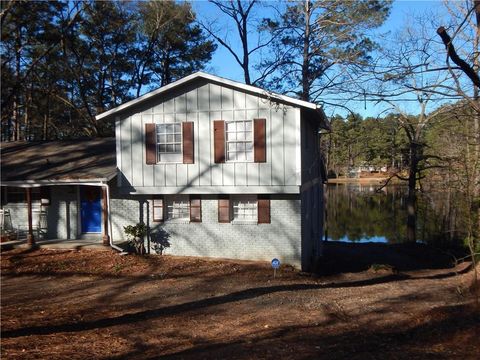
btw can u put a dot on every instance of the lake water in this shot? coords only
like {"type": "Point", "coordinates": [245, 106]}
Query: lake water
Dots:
{"type": "Point", "coordinates": [358, 213]}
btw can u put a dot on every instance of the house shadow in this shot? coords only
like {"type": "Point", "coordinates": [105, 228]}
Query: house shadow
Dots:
{"type": "Point", "coordinates": [341, 257]}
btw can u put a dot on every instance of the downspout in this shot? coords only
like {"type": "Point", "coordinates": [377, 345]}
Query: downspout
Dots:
{"type": "Point", "coordinates": [109, 214]}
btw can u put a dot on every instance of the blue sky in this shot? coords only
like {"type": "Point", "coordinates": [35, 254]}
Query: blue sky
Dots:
{"type": "Point", "coordinates": [224, 65]}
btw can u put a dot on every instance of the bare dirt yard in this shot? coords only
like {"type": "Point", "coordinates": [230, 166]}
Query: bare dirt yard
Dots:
{"type": "Point", "coordinates": [97, 305]}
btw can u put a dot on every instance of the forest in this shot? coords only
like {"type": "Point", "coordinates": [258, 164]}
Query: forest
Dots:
{"type": "Point", "coordinates": [63, 62]}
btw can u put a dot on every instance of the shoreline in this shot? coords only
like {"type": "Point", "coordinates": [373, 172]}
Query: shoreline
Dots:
{"type": "Point", "coordinates": [367, 180]}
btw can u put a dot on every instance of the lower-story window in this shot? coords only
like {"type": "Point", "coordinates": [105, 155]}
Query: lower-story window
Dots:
{"type": "Point", "coordinates": [178, 207]}
{"type": "Point", "coordinates": [245, 208]}
{"type": "Point", "coordinates": [18, 195]}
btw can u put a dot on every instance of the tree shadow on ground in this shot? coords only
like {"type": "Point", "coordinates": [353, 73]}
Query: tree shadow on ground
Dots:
{"type": "Point", "coordinates": [313, 342]}
{"type": "Point", "coordinates": [136, 317]}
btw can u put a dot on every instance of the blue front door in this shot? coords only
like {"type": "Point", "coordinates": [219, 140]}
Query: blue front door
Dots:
{"type": "Point", "coordinates": [91, 209]}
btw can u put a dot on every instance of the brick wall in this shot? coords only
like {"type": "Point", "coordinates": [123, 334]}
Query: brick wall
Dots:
{"type": "Point", "coordinates": [280, 238]}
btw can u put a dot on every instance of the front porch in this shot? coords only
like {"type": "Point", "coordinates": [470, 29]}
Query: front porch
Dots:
{"type": "Point", "coordinates": [57, 190]}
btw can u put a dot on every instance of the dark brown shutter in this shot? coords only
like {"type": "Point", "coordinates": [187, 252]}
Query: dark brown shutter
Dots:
{"type": "Point", "coordinates": [158, 209]}
{"type": "Point", "coordinates": [263, 207]}
{"type": "Point", "coordinates": [219, 141]}
{"type": "Point", "coordinates": [259, 140]}
{"type": "Point", "coordinates": [188, 142]}
{"type": "Point", "coordinates": [150, 144]}
{"type": "Point", "coordinates": [223, 210]}
{"type": "Point", "coordinates": [195, 210]}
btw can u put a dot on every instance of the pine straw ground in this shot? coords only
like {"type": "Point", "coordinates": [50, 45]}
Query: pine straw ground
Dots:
{"type": "Point", "coordinates": [98, 304]}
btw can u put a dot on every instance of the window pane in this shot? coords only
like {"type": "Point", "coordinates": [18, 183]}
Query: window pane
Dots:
{"type": "Point", "coordinates": [230, 126]}
{"type": "Point", "coordinates": [231, 147]}
{"type": "Point", "coordinates": [162, 148]}
{"type": "Point", "coordinates": [177, 128]}
{"type": "Point", "coordinates": [231, 136]}
{"type": "Point", "coordinates": [241, 156]}
{"type": "Point", "coordinates": [249, 156]}
{"type": "Point", "coordinates": [240, 147]}
{"type": "Point", "coordinates": [163, 138]}
{"type": "Point", "coordinates": [240, 126]}
{"type": "Point", "coordinates": [178, 148]}
{"type": "Point", "coordinates": [248, 126]}
{"type": "Point", "coordinates": [178, 138]}
{"type": "Point", "coordinates": [169, 148]}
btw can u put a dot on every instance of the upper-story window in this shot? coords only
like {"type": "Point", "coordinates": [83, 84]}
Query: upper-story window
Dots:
{"type": "Point", "coordinates": [239, 140]}
{"type": "Point", "coordinates": [169, 142]}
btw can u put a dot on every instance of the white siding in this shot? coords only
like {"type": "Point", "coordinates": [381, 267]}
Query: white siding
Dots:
{"type": "Point", "coordinates": [202, 104]}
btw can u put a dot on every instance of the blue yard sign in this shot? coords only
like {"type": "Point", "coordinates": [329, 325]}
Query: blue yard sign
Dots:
{"type": "Point", "coordinates": [275, 266]}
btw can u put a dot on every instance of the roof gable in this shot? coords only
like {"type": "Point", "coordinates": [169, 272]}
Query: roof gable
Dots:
{"type": "Point", "coordinates": [221, 81]}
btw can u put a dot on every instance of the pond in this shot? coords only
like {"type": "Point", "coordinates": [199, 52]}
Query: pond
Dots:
{"type": "Point", "coordinates": [358, 213]}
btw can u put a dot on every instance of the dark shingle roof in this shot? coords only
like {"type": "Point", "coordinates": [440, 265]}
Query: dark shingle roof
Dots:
{"type": "Point", "coordinates": [75, 160]}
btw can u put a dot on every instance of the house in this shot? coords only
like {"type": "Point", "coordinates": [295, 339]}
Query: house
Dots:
{"type": "Point", "coordinates": [213, 167]}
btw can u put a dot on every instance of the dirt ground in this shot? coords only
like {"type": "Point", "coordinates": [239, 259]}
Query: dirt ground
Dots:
{"type": "Point", "coordinates": [98, 305]}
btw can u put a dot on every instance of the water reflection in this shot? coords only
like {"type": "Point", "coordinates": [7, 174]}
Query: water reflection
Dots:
{"type": "Point", "coordinates": [356, 213]}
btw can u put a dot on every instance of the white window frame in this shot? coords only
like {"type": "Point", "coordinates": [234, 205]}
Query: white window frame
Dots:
{"type": "Point", "coordinates": [177, 208]}
{"type": "Point", "coordinates": [239, 141]}
{"type": "Point", "coordinates": [244, 209]}
{"type": "Point", "coordinates": [164, 141]}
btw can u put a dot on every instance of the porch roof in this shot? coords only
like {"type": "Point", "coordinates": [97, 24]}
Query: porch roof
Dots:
{"type": "Point", "coordinates": [58, 161]}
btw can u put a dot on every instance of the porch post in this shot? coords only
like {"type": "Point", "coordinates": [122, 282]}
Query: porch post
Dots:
{"type": "Point", "coordinates": [30, 238]}
{"type": "Point", "coordinates": [105, 238]}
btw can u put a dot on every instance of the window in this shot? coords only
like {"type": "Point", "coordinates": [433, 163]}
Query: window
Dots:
{"type": "Point", "coordinates": [239, 140]}
{"type": "Point", "coordinates": [178, 208]}
{"type": "Point", "coordinates": [157, 210]}
{"type": "Point", "coordinates": [18, 195]}
{"type": "Point", "coordinates": [245, 208]}
{"type": "Point", "coordinates": [169, 142]}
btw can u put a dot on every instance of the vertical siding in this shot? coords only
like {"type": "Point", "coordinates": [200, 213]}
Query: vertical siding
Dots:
{"type": "Point", "coordinates": [202, 104]}
{"type": "Point", "coordinates": [205, 148]}
{"type": "Point", "coordinates": [138, 150]}
{"type": "Point", "coordinates": [277, 143]}
{"type": "Point", "coordinates": [126, 146]}
{"type": "Point", "coordinates": [289, 146]}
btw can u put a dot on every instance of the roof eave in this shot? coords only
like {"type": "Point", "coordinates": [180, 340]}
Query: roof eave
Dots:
{"type": "Point", "coordinates": [30, 182]}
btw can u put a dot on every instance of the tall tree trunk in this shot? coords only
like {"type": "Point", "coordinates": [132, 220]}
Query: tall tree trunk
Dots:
{"type": "Point", "coordinates": [412, 196]}
{"type": "Point", "coordinates": [306, 58]}
{"type": "Point", "coordinates": [244, 37]}
{"type": "Point", "coordinates": [476, 117]}
{"type": "Point", "coordinates": [16, 98]}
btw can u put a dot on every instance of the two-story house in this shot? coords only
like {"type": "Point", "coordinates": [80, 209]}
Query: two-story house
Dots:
{"type": "Point", "coordinates": [214, 168]}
